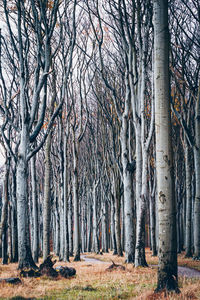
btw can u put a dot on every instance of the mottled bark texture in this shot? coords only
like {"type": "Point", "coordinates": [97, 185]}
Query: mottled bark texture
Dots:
{"type": "Point", "coordinates": [167, 252]}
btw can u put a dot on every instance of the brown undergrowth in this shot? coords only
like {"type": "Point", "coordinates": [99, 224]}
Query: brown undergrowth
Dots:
{"type": "Point", "coordinates": [94, 282]}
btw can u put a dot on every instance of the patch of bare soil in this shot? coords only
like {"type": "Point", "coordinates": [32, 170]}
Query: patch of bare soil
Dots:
{"type": "Point", "coordinates": [188, 272]}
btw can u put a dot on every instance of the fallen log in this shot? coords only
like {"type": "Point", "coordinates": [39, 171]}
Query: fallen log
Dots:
{"type": "Point", "coordinates": [11, 280]}
{"type": "Point", "coordinates": [65, 271]}
{"type": "Point", "coordinates": [30, 273]}
{"type": "Point", "coordinates": [114, 266]}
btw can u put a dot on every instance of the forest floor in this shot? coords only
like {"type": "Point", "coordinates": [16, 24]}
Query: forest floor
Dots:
{"type": "Point", "coordinates": [93, 281]}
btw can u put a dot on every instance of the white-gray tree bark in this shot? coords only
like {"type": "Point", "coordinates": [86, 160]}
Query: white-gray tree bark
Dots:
{"type": "Point", "coordinates": [167, 251]}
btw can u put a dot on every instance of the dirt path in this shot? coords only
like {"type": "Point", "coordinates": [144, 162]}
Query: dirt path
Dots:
{"type": "Point", "coordinates": [182, 271]}
{"type": "Point", "coordinates": [92, 260]}
{"type": "Point", "coordinates": [188, 272]}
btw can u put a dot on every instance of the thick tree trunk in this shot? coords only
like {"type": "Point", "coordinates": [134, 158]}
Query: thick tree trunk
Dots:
{"type": "Point", "coordinates": [128, 188]}
{"type": "Point", "coordinates": [167, 266]}
{"type": "Point", "coordinates": [24, 251]}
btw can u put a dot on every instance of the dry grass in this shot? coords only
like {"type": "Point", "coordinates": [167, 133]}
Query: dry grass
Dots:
{"type": "Point", "coordinates": [93, 282]}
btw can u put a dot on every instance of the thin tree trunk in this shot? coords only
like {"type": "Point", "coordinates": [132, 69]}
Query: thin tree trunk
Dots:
{"type": "Point", "coordinates": [140, 259]}
{"type": "Point", "coordinates": [89, 224]}
{"type": "Point", "coordinates": [35, 249]}
{"type": "Point", "coordinates": [117, 197]}
{"type": "Point", "coordinates": [188, 232]}
{"type": "Point", "coordinates": [70, 225]}
{"type": "Point", "coordinates": [197, 180]}
{"type": "Point", "coordinates": [10, 251]}
{"type": "Point", "coordinates": [105, 226]}
{"type": "Point", "coordinates": [47, 200]}
{"type": "Point", "coordinates": [65, 216]}
{"type": "Point", "coordinates": [152, 213]}
{"type": "Point", "coordinates": [76, 203]}
{"type": "Point", "coordinates": [112, 226]}
{"type": "Point", "coordinates": [4, 213]}
{"type": "Point", "coordinates": [95, 246]}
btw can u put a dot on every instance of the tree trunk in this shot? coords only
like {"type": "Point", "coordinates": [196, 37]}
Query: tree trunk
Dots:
{"type": "Point", "coordinates": [10, 251]}
{"type": "Point", "coordinates": [35, 249]}
{"type": "Point", "coordinates": [128, 190]}
{"type": "Point", "coordinates": [188, 232]}
{"type": "Point", "coordinates": [152, 213]}
{"type": "Point", "coordinates": [65, 214]}
{"type": "Point", "coordinates": [112, 226]}
{"type": "Point", "coordinates": [24, 251]}
{"type": "Point", "coordinates": [95, 246]}
{"type": "Point", "coordinates": [197, 180]}
{"type": "Point", "coordinates": [105, 226]}
{"type": "Point", "coordinates": [123, 224]}
{"type": "Point", "coordinates": [167, 253]}
{"type": "Point", "coordinates": [117, 197]}
{"type": "Point", "coordinates": [14, 218]}
{"type": "Point", "coordinates": [61, 221]}
{"type": "Point", "coordinates": [76, 204]}
{"type": "Point", "coordinates": [140, 259]}
{"type": "Point", "coordinates": [70, 225]}
{"type": "Point", "coordinates": [47, 200]}
{"type": "Point", "coordinates": [89, 224]}
{"type": "Point", "coordinates": [4, 213]}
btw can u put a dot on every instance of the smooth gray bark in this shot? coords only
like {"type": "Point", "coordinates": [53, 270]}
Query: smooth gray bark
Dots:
{"type": "Point", "coordinates": [95, 245]}
{"type": "Point", "coordinates": [89, 224]}
{"type": "Point", "coordinates": [128, 185]}
{"type": "Point", "coordinates": [167, 252]}
{"type": "Point", "coordinates": [14, 218]}
{"type": "Point", "coordinates": [35, 249]}
{"type": "Point", "coordinates": [66, 196]}
{"type": "Point", "coordinates": [70, 225]}
{"type": "Point", "coordinates": [112, 226]}
{"type": "Point", "coordinates": [76, 203]}
{"type": "Point", "coordinates": [24, 251]}
{"type": "Point", "coordinates": [117, 200]}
